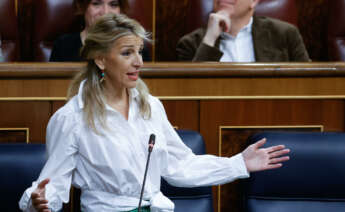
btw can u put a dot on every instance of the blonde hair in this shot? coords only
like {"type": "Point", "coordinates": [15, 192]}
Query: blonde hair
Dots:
{"type": "Point", "coordinates": [101, 36]}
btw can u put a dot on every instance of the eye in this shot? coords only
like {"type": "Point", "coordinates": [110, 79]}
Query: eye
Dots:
{"type": "Point", "coordinates": [126, 53]}
{"type": "Point", "coordinates": [95, 3]}
{"type": "Point", "coordinates": [141, 51]}
{"type": "Point", "coordinates": [114, 4]}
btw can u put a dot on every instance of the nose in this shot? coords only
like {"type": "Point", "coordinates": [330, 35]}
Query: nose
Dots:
{"type": "Point", "coordinates": [138, 62]}
{"type": "Point", "coordinates": [105, 9]}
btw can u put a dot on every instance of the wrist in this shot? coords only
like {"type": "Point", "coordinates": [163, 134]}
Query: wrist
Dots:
{"type": "Point", "coordinates": [209, 40]}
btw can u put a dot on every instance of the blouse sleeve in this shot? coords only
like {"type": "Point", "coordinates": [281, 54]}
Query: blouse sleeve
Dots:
{"type": "Point", "coordinates": [61, 148]}
{"type": "Point", "coordinates": [185, 169]}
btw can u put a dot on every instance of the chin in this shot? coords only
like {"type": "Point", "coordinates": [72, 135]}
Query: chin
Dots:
{"type": "Point", "coordinates": [227, 8]}
{"type": "Point", "coordinates": [132, 85]}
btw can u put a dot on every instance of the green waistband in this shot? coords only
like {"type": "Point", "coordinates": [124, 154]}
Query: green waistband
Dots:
{"type": "Point", "coordinates": [143, 209]}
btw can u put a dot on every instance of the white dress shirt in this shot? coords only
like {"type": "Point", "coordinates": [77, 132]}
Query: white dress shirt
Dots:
{"type": "Point", "coordinates": [239, 48]}
{"type": "Point", "coordinates": [109, 167]}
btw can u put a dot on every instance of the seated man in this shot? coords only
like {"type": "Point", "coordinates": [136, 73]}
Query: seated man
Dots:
{"type": "Point", "coordinates": [233, 34]}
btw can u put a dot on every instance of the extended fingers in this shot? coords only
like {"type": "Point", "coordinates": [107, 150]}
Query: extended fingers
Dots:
{"type": "Point", "coordinates": [273, 166]}
{"type": "Point", "coordinates": [278, 153]}
{"type": "Point", "coordinates": [275, 148]}
{"type": "Point", "coordinates": [38, 199]}
{"type": "Point", "coordinates": [40, 204]}
{"type": "Point", "coordinates": [279, 160]}
{"type": "Point", "coordinates": [259, 143]}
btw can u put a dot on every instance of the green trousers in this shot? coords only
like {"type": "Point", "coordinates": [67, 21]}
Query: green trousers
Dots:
{"type": "Point", "coordinates": [143, 209]}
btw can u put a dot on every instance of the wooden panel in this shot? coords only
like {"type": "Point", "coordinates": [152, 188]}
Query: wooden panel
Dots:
{"type": "Point", "coordinates": [14, 135]}
{"type": "Point", "coordinates": [192, 80]}
{"type": "Point", "coordinates": [183, 114]}
{"type": "Point", "coordinates": [216, 113]}
{"type": "Point", "coordinates": [32, 115]}
{"type": "Point", "coordinates": [33, 88]}
{"type": "Point", "coordinates": [56, 105]}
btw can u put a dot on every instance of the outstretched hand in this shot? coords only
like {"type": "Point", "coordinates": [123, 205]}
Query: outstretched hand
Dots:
{"type": "Point", "coordinates": [259, 159]}
{"type": "Point", "coordinates": [38, 198]}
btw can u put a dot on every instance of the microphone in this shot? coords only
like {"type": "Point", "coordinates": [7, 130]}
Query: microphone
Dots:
{"type": "Point", "coordinates": [151, 144]}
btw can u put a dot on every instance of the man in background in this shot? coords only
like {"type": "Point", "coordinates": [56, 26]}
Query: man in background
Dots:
{"type": "Point", "coordinates": [234, 34]}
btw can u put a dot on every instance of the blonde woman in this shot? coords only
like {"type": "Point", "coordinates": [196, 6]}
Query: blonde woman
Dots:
{"type": "Point", "coordinates": [98, 140]}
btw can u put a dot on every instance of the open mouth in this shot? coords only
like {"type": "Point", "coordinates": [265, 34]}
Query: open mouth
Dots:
{"type": "Point", "coordinates": [133, 75]}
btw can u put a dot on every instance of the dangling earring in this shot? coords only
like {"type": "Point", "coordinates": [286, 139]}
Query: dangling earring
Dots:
{"type": "Point", "coordinates": [102, 76]}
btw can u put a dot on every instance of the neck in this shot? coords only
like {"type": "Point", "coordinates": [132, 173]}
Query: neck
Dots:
{"type": "Point", "coordinates": [118, 100]}
{"type": "Point", "coordinates": [238, 23]}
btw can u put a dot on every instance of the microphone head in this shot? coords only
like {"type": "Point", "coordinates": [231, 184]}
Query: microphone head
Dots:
{"type": "Point", "coordinates": [152, 142]}
{"type": "Point", "coordinates": [152, 139]}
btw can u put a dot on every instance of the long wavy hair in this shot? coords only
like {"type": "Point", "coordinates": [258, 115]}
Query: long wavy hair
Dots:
{"type": "Point", "coordinates": [100, 38]}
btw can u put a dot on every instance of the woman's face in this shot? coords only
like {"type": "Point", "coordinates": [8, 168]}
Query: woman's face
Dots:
{"type": "Point", "coordinates": [97, 8]}
{"type": "Point", "coordinates": [123, 62]}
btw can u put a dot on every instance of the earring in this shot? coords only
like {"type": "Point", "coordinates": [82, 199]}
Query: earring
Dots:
{"type": "Point", "coordinates": [102, 76]}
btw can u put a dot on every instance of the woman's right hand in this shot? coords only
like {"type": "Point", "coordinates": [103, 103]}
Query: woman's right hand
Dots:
{"type": "Point", "coordinates": [38, 198]}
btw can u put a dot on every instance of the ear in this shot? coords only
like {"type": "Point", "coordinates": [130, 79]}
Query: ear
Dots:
{"type": "Point", "coordinates": [255, 3]}
{"type": "Point", "coordinates": [100, 62]}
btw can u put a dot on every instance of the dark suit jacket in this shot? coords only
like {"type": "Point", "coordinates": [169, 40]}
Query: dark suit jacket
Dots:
{"type": "Point", "coordinates": [274, 41]}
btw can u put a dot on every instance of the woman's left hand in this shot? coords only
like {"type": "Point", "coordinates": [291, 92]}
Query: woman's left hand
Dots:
{"type": "Point", "coordinates": [259, 159]}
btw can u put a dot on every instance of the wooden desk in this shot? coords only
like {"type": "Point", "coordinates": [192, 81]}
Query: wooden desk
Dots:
{"type": "Point", "coordinates": [225, 102]}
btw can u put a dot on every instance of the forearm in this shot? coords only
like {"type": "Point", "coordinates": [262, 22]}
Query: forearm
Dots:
{"type": "Point", "coordinates": [205, 170]}
{"type": "Point", "coordinates": [207, 53]}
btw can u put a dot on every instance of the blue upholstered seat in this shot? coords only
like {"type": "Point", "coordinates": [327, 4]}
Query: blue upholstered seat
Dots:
{"type": "Point", "coordinates": [20, 164]}
{"type": "Point", "coordinates": [313, 179]}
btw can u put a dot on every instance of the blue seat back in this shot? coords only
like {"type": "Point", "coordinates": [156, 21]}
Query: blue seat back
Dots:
{"type": "Point", "coordinates": [190, 199]}
{"type": "Point", "coordinates": [312, 180]}
{"type": "Point", "coordinates": [20, 165]}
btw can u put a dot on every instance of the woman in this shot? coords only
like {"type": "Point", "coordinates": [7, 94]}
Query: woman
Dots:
{"type": "Point", "coordinates": [67, 47]}
{"type": "Point", "coordinates": [98, 140]}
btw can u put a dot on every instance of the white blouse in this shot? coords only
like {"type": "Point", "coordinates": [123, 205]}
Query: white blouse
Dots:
{"type": "Point", "coordinates": [109, 167]}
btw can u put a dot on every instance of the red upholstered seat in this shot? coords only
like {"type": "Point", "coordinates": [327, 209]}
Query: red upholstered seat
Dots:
{"type": "Point", "coordinates": [285, 10]}
{"type": "Point", "coordinates": [10, 44]}
{"type": "Point", "coordinates": [51, 18]}
{"type": "Point", "coordinates": [336, 30]}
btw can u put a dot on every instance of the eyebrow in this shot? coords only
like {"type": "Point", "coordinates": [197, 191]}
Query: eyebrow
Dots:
{"type": "Point", "coordinates": [130, 46]}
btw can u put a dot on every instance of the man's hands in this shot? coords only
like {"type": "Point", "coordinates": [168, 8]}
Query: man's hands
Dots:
{"type": "Point", "coordinates": [259, 159]}
{"type": "Point", "coordinates": [217, 22]}
{"type": "Point", "coordinates": [38, 197]}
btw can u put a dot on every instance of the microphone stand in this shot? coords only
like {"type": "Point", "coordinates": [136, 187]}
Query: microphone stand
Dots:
{"type": "Point", "coordinates": [151, 144]}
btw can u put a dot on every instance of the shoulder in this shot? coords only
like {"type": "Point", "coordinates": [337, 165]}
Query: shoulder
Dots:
{"type": "Point", "coordinates": [68, 38]}
{"type": "Point", "coordinates": [273, 24]}
{"type": "Point", "coordinates": [157, 107]}
{"type": "Point", "coordinates": [66, 48]}
{"type": "Point", "coordinates": [194, 36]}
{"type": "Point", "coordinates": [154, 101]}
{"type": "Point", "coordinates": [66, 118]}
